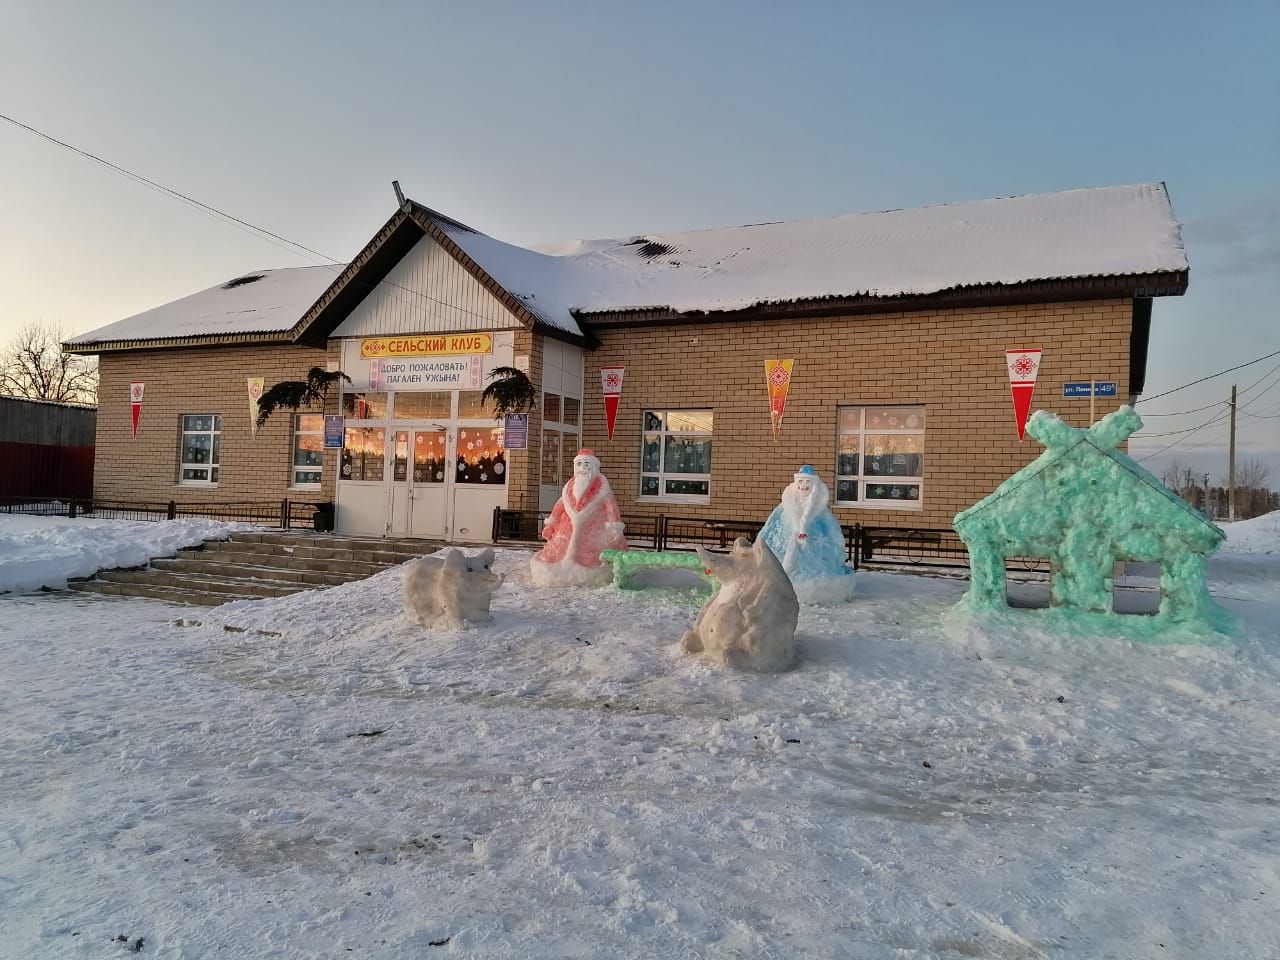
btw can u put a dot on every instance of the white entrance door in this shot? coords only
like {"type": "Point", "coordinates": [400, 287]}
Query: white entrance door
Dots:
{"type": "Point", "coordinates": [419, 485]}
{"type": "Point", "coordinates": [479, 480]}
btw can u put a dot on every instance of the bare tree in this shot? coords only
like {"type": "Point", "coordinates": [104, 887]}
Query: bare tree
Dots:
{"type": "Point", "coordinates": [34, 366]}
{"type": "Point", "coordinates": [1252, 474]}
{"type": "Point", "coordinates": [1178, 477]}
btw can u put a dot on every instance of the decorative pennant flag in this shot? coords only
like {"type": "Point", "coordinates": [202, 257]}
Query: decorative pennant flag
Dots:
{"type": "Point", "coordinates": [1023, 365]}
{"type": "Point", "coordinates": [256, 385]}
{"type": "Point", "coordinates": [135, 401]}
{"type": "Point", "coordinates": [611, 385]}
{"type": "Point", "coordinates": [777, 376]}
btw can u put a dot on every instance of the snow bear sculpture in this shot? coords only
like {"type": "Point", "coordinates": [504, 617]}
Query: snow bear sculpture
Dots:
{"type": "Point", "coordinates": [750, 622]}
{"type": "Point", "coordinates": [446, 591]}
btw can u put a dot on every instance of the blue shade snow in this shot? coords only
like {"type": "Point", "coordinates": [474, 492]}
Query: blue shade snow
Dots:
{"type": "Point", "coordinates": [40, 552]}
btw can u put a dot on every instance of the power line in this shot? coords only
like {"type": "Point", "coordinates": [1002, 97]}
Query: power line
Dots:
{"type": "Point", "coordinates": [1186, 436]}
{"type": "Point", "coordinates": [1259, 380]}
{"type": "Point", "coordinates": [1209, 377]}
{"type": "Point", "coordinates": [261, 232]}
{"type": "Point", "coordinates": [1181, 413]}
{"type": "Point", "coordinates": [1265, 391]}
{"type": "Point", "coordinates": [1173, 433]}
{"type": "Point", "coordinates": [161, 187]}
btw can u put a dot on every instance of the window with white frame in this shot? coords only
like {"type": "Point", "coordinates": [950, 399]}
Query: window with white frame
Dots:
{"type": "Point", "coordinates": [675, 455]}
{"type": "Point", "coordinates": [200, 448]}
{"type": "Point", "coordinates": [880, 457]}
{"type": "Point", "coordinates": [308, 449]}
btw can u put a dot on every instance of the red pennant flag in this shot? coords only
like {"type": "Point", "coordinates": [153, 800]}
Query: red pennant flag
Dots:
{"type": "Point", "coordinates": [611, 386]}
{"type": "Point", "coordinates": [135, 401]}
{"type": "Point", "coordinates": [1024, 366]}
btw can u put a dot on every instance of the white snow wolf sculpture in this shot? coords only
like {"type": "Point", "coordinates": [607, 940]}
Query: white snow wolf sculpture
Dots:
{"type": "Point", "coordinates": [445, 591]}
{"type": "Point", "coordinates": [750, 623]}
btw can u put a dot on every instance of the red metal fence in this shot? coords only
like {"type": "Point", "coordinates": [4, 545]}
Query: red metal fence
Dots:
{"type": "Point", "coordinates": [38, 470]}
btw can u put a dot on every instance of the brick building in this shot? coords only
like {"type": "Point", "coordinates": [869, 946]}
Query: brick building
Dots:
{"type": "Point", "coordinates": [897, 323]}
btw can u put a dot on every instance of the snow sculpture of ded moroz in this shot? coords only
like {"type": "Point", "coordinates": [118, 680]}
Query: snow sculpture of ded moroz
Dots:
{"type": "Point", "coordinates": [806, 537]}
{"type": "Point", "coordinates": [750, 622]}
{"type": "Point", "coordinates": [447, 590]}
{"type": "Point", "coordinates": [1085, 506]}
{"type": "Point", "coordinates": [585, 522]}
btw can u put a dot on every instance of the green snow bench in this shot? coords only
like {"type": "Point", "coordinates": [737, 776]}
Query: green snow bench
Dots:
{"type": "Point", "coordinates": [626, 562]}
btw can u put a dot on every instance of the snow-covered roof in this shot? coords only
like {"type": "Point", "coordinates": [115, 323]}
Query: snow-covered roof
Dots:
{"type": "Point", "coordinates": [263, 301]}
{"type": "Point", "coordinates": [1100, 232]}
{"type": "Point", "coordinates": [1076, 234]}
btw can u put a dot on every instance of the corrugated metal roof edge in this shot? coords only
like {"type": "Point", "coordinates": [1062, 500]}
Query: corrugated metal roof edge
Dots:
{"type": "Point", "coordinates": [1098, 286]}
{"type": "Point", "coordinates": [246, 339]}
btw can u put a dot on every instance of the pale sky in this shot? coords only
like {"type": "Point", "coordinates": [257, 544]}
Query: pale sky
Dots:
{"type": "Point", "coordinates": [554, 120]}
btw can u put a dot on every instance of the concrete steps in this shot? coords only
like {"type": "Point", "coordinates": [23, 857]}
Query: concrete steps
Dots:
{"type": "Point", "coordinates": [170, 594]}
{"type": "Point", "coordinates": [251, 566]}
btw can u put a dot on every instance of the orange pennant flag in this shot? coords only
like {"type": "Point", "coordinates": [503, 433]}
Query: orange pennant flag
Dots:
{"type": "Point", "coordinates": [777, 376]}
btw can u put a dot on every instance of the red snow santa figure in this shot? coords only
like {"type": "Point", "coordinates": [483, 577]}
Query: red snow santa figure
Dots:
{"type": "Point", "coordinates": [585, 521]}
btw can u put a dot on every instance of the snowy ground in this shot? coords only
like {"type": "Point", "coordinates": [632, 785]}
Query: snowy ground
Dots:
{"type": "Point", "coordinates": [314, 777]}
{"type": "Point", "coordinates": [40, 552]}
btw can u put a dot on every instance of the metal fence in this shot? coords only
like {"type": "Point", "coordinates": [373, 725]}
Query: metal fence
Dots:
{"type": "Point", "coordinates": [285, 514]}
{"type": "Point", "coordinates": [864, 545]}
{"type": "Point", "coordinates": [525, 526]}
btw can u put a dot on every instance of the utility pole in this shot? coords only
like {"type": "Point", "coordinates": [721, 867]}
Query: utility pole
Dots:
{"type": "Point", "coordinates": [1208, 510]}
{"type": "Point", "coordinates": [1231, 465]}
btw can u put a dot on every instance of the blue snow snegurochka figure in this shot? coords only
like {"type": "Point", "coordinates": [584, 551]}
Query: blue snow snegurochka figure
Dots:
{"type": "Point", "coordinates": [806, 538]}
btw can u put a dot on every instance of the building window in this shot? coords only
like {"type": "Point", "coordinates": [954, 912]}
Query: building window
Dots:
{"type": "Point", "coordinates": [308, 449]}
{"type": "Point", "coordinates": [364, 406]}
{"type": "Point", "coordinates": [471, 407]}
{"type": "Point", "coordinates": [880, 458]}
{"type": "Point", "coordinates": [363, 453]}
{"type": "Point", "coordinates": [675, 456]}
{"type": "Point", "coordinates": [201, 443]}
{"type": "Point", "coordinates": [427, 405]}
{"type": "Point", "coordinates": [481, 457]}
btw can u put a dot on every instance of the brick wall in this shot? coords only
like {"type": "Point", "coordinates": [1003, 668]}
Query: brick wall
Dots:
{"type": "Point", "coordinates": [189, 381]}
{"type": "Point", "coordinates": [950, 361]}
{"type": "Point", "coordinates": [523, 465]}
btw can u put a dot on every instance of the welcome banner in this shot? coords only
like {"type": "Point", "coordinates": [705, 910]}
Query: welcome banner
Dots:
{"type": "Point", "coordinates": [777, 377]}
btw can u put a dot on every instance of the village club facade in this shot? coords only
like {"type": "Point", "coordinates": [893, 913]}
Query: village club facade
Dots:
{"type": "Point", "coordinates": [897, 324]}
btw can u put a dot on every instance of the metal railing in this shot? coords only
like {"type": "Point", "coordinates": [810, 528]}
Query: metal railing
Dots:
{"type": "Point", "coordinates": [525, 526]}
{"type": "Point", "coordinates": [887, 546]}
{"type": "Point", "coordinates": [686, 533]}
{"type": "Point", "coordinates": [285, 514]}
{"type": "Point", "coordinates": [905, 546]}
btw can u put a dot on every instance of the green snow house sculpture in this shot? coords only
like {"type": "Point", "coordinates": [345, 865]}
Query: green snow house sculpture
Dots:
{"type": "Point", "coordinates": [1084, 506]}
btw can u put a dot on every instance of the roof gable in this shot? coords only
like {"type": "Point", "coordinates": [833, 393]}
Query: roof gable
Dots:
{"type": "Point", "coordinates": [428, 291]}
{"type": "Point", "coordinates": [381, 255]}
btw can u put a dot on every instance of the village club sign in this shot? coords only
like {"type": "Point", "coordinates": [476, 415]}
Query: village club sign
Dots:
{"type": "Point", "coordinates": [436, 345]}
